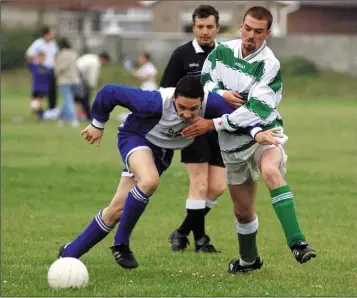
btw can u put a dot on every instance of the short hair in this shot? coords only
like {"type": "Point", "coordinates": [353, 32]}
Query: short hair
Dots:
{"type": "Point", "coordinates": [105, 56]}
{"type": "Point", "coordinates": [64, 43]}
{"type": "Point", "coordinates": [146, 55]}
{"type": "Point", "coordinates": [190, 87]}
{"type": "Point", "coordinates": [204, 11]}
{"type": "Point", "coordinates": [260, 13]}
{"type": "Point", "coordinates": [45, 30]}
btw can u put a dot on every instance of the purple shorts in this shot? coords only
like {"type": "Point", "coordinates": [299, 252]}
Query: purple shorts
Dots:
{"type": "Point", "coordinates": [131, 142]}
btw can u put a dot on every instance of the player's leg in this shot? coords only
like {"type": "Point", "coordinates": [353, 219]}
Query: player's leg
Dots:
{"type": "Point", "coordinates": [217, 182]}
{"type": "Point", "coordinates": [147, 181]}
{"type": "Point", "coordinates": [216, 185]}
{"type": "Point", "coordinates": [196, 161]}
{"type": "Point", "coordinates": [272, 166]}
{"type": "Point", "coordinates": [102, 223]}
{"type": "Point", "coordinates": [156, 161]}
{"type": "Point", "coordinates": [243, 187]}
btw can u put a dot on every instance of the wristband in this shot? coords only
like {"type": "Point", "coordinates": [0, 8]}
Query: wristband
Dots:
{"type": "Point", "coordinates": [255, 131]}
{"type": "Point", "coordinates": [98, 125]}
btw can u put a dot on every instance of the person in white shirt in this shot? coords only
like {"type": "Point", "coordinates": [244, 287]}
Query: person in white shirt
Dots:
{"type": "Point", "coordinates": [89, 66]}
{"type": "Point", "coordinates": [47, 44]}
{"type": "Point", "coordinates": [146, 73]}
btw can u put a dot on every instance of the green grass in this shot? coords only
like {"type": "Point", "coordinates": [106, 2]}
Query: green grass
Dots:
{"type": "Point", "coordinates": [53, 183]}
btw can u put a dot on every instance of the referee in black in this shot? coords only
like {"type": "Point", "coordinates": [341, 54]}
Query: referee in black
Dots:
{"type": "Point", "coordinates": [203, 158]}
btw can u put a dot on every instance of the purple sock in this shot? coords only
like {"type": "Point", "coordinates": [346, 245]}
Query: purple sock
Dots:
{"type": "Point", "coordinates": [134, 207]}
{"type": "Point", "coordinates": [94, 233]}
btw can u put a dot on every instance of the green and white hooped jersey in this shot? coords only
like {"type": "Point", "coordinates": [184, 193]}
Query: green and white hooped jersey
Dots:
{"type": "Point", "coordinates": [257, 78]}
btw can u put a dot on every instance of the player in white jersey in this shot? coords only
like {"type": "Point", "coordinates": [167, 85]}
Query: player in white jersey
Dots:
{"type": "Point", "coordinates": [148, 137]}
{"type": "Point", "coordinates": [247, 74]}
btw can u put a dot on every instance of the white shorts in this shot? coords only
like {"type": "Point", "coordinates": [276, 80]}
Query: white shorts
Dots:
{"type": "Point", "coordinates": [242, 166]}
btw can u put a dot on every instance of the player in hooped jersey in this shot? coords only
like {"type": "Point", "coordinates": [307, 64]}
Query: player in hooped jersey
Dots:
{"type": "Point", "coordinates": [148, 137]}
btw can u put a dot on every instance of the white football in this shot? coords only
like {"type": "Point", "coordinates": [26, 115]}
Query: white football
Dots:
{"type": "Point", "coordinates": [67, 273]}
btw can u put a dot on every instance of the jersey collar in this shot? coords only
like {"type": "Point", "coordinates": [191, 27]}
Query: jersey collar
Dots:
{"type": "Point", "coordinates": [198, 48]}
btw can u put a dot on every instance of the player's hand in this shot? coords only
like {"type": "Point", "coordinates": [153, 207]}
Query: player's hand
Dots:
{"type": "Point", "coordinates": [92, 135]}
{"type": "Point", "coordinates": [269, 137]}
{"type": "Point", "coordinates": [198, 127]}
{"type": "Point", "coordinates": [233, 98]}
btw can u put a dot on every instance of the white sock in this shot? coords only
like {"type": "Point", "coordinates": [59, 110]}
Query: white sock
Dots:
{"type": "Point", "coordinates": [210, 203]}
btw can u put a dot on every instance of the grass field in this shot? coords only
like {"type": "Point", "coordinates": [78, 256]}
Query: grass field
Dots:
{"type": "Point", "coordinates": [53, 183]}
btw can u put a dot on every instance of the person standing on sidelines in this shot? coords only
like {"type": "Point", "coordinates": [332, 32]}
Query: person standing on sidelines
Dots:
{"type": "Point", "coordinates": [203, 158]}
{"type": "Point", "coordinates": [68, 80]}
{"type": "Point", "coordinates": [47, 44]}
{"type": "Point", "coordinates": [146, 74]}
{"type": "Point", "coordinates": [89, 66]}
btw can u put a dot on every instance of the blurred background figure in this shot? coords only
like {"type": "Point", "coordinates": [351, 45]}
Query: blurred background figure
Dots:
{"type": "Point", "coordinates": [146, 74]}
{"type": "Point", "coordinates": [89, 66]}
{"type": "Point", "coordinates": [41, 76]}
{"type": "Point", "coordinates": [68, 79]}
{"type": "Point", "coordinates": [48, 45]}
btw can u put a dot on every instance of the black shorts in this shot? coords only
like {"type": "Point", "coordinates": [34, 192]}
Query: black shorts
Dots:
{"type": "Point", "coordinates": [204, 149]}
{"type": "Point", "coordinates": [38, 94]}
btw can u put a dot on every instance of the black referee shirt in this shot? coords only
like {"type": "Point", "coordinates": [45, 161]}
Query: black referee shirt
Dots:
{"type": "Point", "coordinates": [186, 60]}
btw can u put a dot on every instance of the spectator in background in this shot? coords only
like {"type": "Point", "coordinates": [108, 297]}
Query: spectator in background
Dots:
{"type": "Point", "coordinates": [89, 66]}
{"type": "Point", "coordinates": [47, 44]}
{"type": "Point", "coordinates": [68, 79]}
{"type": "Point", "coordinates": [146, 73]}
{"type": "Point", "coordinates": [41, 76]}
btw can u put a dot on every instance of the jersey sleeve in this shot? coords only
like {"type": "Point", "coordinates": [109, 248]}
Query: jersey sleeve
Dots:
{"type": "Point", "coordinates": [216, 106]}
{"type": "Point", "coordinates": [210, 76]}
{"type": "Point", "coordinates": [263, 99]}
{"type": "Point", "coordinates": [173, 72]}
{"type": "Point", "coordinates": [144, 103]}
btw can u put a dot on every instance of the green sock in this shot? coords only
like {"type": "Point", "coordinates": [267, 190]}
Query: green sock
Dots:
{"type": "Point", "coordinates": [247, 238]}
{"type": "Point", "coordinates": [283, 204]}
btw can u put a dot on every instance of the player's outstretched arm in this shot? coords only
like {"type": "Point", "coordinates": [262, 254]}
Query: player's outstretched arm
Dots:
{"type": "Point", "coordinates": [147, 103]}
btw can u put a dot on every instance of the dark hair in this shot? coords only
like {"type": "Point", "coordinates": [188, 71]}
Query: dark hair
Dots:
{"type": "Point", "coordinates": [146, 55]}
{"type": "Point", "coordinates": [204, 11]}
{"type": "Point", "coordinates": [45, 30]}
{"type": "Point", "coordinates": [190, 87]}
{"type": "Point", "coordinates": [260, 13]}
{"type": "Point", "coordinates": [64, 43]}
{"type": "Point", "coordinates": [105, 56]}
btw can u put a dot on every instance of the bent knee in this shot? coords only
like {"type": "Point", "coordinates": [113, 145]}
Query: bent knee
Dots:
{"type": "Point", "coordinates": [216, 190]}
{"type": "Point", "coordinates": [149, 184]}
{"type": "Point", "coordinates": [244, 216]}
{"type": "Point", "coordinates": [271, 173]}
